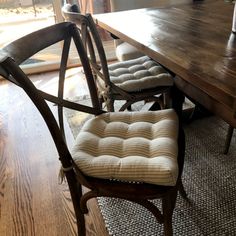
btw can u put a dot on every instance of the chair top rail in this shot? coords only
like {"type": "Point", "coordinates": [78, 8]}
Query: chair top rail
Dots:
{"type": "Point", "coordinates": [25, 47]}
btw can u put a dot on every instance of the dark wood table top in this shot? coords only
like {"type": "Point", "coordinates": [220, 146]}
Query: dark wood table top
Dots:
{"type": "Point", "coordinates": [193, 39]}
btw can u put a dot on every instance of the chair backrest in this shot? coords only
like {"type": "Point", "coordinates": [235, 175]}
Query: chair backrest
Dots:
{"type": "Point", "coordinates": [91, 40]}
{"type": "Point", "coordinates": [20, 50]}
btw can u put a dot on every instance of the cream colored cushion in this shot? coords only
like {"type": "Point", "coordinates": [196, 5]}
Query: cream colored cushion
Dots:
{"type": "Point", "coordinates": [138, 74]}
{"type": "Point", "coordinates": [125, 51]}
{"type": "Point", "coordinates": [130, 146]}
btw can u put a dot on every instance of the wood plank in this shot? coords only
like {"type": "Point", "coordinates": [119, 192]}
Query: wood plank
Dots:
{"type": "Point", "coordinates": [31, 200]}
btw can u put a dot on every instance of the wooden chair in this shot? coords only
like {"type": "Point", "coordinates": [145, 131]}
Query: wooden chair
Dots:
{"type": "Point", "coordinates": [137, 156]}
{"type": "Point", "coordinates": [141, 79]}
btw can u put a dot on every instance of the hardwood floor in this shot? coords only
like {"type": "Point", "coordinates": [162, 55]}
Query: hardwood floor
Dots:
{"type": "Point", "coordinates": [32, 202]}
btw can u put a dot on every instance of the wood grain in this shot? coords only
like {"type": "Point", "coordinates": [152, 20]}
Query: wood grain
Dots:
{"type": "Point", "coordinates": [192, 39]}
{"type": "Point", "coordinates": [31, 200]}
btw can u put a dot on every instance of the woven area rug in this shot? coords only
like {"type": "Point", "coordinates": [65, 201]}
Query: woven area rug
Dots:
{"type": "Point", "coordinates": [209, 178]}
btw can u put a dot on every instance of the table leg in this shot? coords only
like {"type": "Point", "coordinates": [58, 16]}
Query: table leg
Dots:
{"type": "Point", "coordinates": [177, 101]}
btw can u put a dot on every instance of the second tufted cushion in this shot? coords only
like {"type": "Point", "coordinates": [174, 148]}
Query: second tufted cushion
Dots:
{"type": "Point", "coordinates": [125, 51]}
{"type": "Point", "coordinates": [138, 74]}
{"type": "Point", "coordinates": [130, 146]}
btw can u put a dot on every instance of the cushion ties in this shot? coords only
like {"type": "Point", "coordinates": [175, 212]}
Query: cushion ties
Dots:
{"type": "Point", "coordinates": [61, 175]}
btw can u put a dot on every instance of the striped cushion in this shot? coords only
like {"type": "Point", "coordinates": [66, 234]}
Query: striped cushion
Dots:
{"type": "Point", "coordinates": [138, 74]}
{"type": "Point", "coordinates": [130, 146]}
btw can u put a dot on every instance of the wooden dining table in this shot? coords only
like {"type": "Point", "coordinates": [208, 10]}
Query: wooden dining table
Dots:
{"type": "Point", "coordinates": [194, 40]}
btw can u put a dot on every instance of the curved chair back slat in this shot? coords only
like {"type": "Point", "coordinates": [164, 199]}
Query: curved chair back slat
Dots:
{"type": "Point", "coordinates": [91, 40]}
{"type": "Point", "coordinates": [22, 49]}
{"type": "Point", "coordinates": [26, 47]}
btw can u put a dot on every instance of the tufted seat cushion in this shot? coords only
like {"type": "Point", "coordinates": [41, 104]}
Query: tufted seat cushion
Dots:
{"type": "Point", "coordinates": [130, 146]}
{"type": "Point", "coordinates": [138, 74]}
{"type": "Point", "coordinates": [125, 51]}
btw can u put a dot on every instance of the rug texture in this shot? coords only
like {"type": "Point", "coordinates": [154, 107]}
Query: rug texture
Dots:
{"type": "Point", "coordinates": [209, 178]}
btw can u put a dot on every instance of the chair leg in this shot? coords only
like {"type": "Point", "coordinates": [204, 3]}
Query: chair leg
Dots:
{"type": "Point", "coordinates": [228, 139]}
{"type": "Point", "coordinates": [76, 194]}
{"type": "Point", "coordinates": [80, 217]}
{"type": "Point", "coordinates": [101, 101]}
{"type": "Point", "coordinates": [110, 105]}
{"type": "Point", "coordinates": [129, 108]}
{"type": "Point", "coordinates": [182, 190]}
{"type": "Point", "coordinates": [168, 205]}
{"type": "Point", "coordinates": [126, 105]}
{"type": "Point", "coordinates": [166, 100]}
{"type": "Point", "coordinates": [81, 225]}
